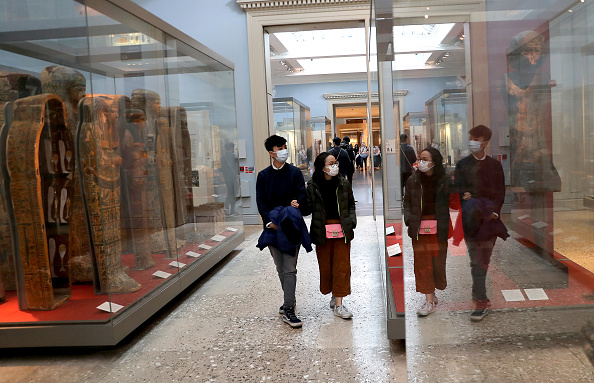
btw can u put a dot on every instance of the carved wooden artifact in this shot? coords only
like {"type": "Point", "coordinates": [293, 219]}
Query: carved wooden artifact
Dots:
{"type": "Point", "coordinates": [38, 147]}
{"type": "Point", "coordinates": [99, 150]}
{"type": "Point", "coordinates": [165, 167]}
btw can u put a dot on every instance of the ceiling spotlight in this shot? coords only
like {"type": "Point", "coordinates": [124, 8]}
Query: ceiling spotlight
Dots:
{"type": "Point", "coordinates": [427, 8]}
{"type": "Point", "coordinates": [426, 16]}
{"type": "Point", "coordinates": [283, 63]}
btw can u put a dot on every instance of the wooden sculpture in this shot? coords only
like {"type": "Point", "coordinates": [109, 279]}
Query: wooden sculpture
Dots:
{"type": "Point", "coordinates": [70, 85]}
{"type": "Point", "coordinates": [150, 103]}
{"type": "Point", "coordinates": [12, 87]}
{"type": "Point", "coordinates": [38, 145]}
{"type": "Point", "coordinates": [134, 177]}
{"type": "Point", "coordinates": [165, 167]}
{"type": "Point", "coordinates": [100, 161]}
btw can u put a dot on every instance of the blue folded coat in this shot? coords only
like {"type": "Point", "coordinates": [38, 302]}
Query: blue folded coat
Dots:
{"type": "Point", "coordinates": [291, 233]}
{"type": "Point", "coordinates": [475, 224]}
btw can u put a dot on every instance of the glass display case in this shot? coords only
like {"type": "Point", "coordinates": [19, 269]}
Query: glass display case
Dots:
{"type": "Point", "coordinates": [446, 120]}
{"type": "Point", "coordinates": [118, 166]}
{"type": "Point", "coordinates": [321, 135]}
{"type": "Point", "coordinates": [417, 130]}
{"type": "Point", "coordinates": [292, 121]}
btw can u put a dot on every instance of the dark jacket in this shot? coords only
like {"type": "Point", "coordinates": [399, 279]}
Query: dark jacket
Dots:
{"type": "Point", "coordinates": [345, 165]}
{"type": "Point", "coordinates": [346, 207]}
{"type": "Point", "coordinates": [475, 224]}
{"type": "Point", "coordinates": [407, 158]}
{"type": "Point", "coordinates": [278, 188]}
{"type": "Point", "coordinates": [291, 233]}
{"type": "Point", "coordinates": [412, 206]}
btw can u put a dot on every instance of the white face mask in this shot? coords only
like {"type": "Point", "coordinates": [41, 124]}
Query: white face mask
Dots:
{"type": "Point", "coordinates": [424, 166]}
{"type": "Point", "coordinates": [282, 155]}
{"type": "Point", "coordinates": [333, 170]}
{"type": "Point", "coordinates": [474, 146]}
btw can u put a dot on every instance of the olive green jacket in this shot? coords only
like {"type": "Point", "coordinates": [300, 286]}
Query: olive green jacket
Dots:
{"type": "Point", "coordinates": [346, 207]}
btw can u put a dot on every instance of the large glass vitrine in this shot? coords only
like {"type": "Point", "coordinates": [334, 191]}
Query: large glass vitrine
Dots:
{"type": "Point", "coordinates": [321, 128]}
{"type": "Point", "coordinates": [417, 130]}
{"type": "Point", "coordinates": [446, 119]}
{"type": "Point", "coordinates": [118, 166]}
{"type": "Point", "coordinates": [292, 121]}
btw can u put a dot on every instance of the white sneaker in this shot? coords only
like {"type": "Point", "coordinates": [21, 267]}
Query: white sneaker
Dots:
{"type": "Point", "coordinates": [426, 309]}
{"type": "Point", "coordinates": [333, 302]}
{"type": "Point", "coordinates": [343, 312]}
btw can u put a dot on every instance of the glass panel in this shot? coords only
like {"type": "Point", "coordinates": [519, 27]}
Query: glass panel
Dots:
{"type": "Point", "coordinates": [292, 121]}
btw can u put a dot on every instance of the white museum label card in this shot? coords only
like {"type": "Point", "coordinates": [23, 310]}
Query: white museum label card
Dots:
{"type": "Point", "coordinates": [513, 295]}
{"type": "Point", "coordinates": [177, 264]}
{"type": "Point", "coordinates": [539, 224]}
{"type": "Point", "coordinates": [192, 254]}
{"type": "Point", "coordinates": [205, 247]}
{"type": "Point", "coordinates": [390, 230]}
{"type": "Point", "coordinates": [161, 274]}
{"type": "Point", "coordinates": [219, 238]}
{"type": "Point", "coordinates": [232, 229]}
{"type": "Point", "coordinates": [536, 294]}
{"type": "Point", "coordinates": [110, 307]}
{"type": "Point", "coordinates": [523, 217]}
{"type": "Point", "coordinates": [394, 250]}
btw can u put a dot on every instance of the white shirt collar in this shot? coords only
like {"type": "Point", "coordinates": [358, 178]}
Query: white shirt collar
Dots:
{"type": "Point", "coordinates": [480, 159]}
{"type": "Point", "coordinates": [275, 168]}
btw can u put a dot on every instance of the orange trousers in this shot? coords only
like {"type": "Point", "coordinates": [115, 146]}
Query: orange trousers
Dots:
{"type": "Point", "coordinates": [430, 263]}
{"type": "Point", "coordinates": [334, 261]}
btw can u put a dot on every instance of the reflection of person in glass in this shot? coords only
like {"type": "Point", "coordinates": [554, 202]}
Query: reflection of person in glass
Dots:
{"type": "Point", "coordinates": [427, 216]}
{"type": "Point", "coordinates": [481, 183]}
{"type": "Point", "coordinates": [230, 168]}
{"type": "Point", "coordinates": [526, 94]}
{"type": "Point", "coordinates": [407, 159]}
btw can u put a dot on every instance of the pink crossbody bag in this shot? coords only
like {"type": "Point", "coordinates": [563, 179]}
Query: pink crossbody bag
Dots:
{"type": "Point", "coordinates": [334, 231]}
{"type": "Point", "coordinates": [428, 226]}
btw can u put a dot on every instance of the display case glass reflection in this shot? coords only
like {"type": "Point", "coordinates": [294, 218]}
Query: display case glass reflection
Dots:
{"type": "Point", "coordinates": [131, 178]}
{"type": "Point", "coordinates": [292, 121]}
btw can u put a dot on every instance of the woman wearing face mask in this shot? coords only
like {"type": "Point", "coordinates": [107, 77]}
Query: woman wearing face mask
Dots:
{"type": "Point", "coordinates": [426, 213]}
{"type": "Point", "coordinates": [331, 200]}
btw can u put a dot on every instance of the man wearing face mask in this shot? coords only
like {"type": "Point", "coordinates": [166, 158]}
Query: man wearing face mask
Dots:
{"type": "Point", "coordinates": [282, 185]}
{"type": "Point", "coordinates": [481, 183]}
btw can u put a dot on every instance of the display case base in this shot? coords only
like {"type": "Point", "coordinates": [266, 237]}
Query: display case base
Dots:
{"type": "Point", "coordinates": [111, 332]}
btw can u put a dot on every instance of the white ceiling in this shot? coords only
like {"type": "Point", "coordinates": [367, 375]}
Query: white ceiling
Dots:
{"type": "Point", "coordinates": [338, 54]}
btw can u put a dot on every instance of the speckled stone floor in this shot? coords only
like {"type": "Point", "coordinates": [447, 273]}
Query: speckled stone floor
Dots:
{"type": "Point", "coordinates": [226, 329]}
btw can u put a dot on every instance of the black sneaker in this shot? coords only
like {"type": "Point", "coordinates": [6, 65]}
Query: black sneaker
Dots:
{"type": "Point", "coordinates": [281, 310]}
{"type": "Point", "coordinates": [478, 314]}
{"type": "Point", "coordinates": [291, 319]}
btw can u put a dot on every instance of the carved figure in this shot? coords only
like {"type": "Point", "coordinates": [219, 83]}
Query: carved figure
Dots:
{"type": "Point", "coordinates": [165, 167]}
{"type": "Point", "coordinates": [134, 175]}
{"type": "Point", "coordinates": [70, 85]}
{"type": "Point", "coordinates": [36, 119]}
{"type": "Point", "coordinates": [12, 87]}
{"type": "Point", "coordinates": [99, 148]}
{"type": "Point", "coordinates": [150, 103]}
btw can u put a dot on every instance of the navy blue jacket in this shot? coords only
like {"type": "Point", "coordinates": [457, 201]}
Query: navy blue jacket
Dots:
{"type": "Point", "coordinates": [291, 233]}
{"type": "Point", "coordinates": [276, 188]}
{"type": "Point", "coordinates": [474, 221]}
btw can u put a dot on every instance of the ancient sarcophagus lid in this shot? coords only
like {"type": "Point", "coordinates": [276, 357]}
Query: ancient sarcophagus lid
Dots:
{"type": "Point", "coordinates": [39, 157]}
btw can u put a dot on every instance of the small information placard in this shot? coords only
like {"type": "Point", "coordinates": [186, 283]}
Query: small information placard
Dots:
{"type": "Point", "coordinates": [523, 217]}
{"type": "Point", "coordinates": [193, 254]}
{"type": "Point", "coordinates": [231, 229]}
{"type": "Point", "coordinates": [161, 274]}
{"type": "Point", "coordinates": [390, 230]}
{"type": "Point", "coordinates": [177, 264]}
{"type": "Point", "coordinates": [513, 295]}
{"type": "Point", "coordinates": [110, 307]}
{"type": "Point", "coordinates": [539, 224]}
{"type": "Point", "coordinates": [219, 238]}
{"type": "Point", "coordinates": [205, 247]}
{"type": "Point", "coordinates": [394, 250]}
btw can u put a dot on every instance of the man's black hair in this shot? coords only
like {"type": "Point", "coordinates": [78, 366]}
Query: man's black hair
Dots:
{"type": "Point", "coordinates": [481, 131]}
{"type": "Point", "coordinates": [346, 139]}
{"type": "Point", "coordinates": [403, 137]}
{"type": "Point", "coordinates": [273, 141]}
{"type": "Point", "coordinates": [336, 141]}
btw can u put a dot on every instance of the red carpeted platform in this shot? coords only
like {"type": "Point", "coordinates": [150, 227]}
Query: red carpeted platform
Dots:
{"type": "Point", "coordinates": [83, 304]}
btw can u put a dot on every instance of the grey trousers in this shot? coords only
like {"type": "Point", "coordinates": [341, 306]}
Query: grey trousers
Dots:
{"type": "Point", "coordinates": [286, 267]}
{"type": "Point", "coordinates": [480, 257]}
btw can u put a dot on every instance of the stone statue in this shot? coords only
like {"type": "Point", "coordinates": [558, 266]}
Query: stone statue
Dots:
{"type": "Point", "coordinates": [99, 148]}
{"type": "Point", "coordinates": [134, 175]}
{"type": "Point", "coordinates": [38, 127]}
{"type": "Point", "coordinates": [150, 103]}
{"type": "Point", "coordinates": [70, 85]}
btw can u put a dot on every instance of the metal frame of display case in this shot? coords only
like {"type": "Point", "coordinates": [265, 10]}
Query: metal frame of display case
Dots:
{"type": "Point", "coordinates": [112, 330]}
